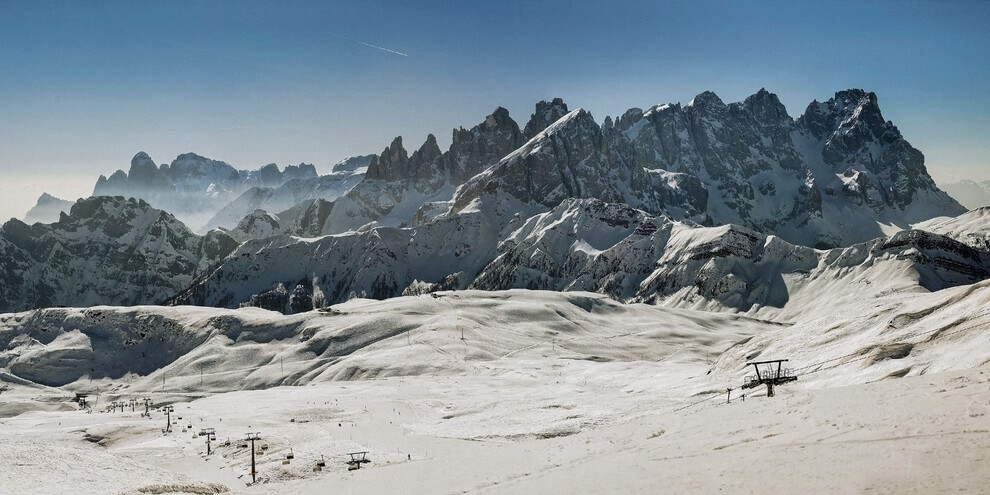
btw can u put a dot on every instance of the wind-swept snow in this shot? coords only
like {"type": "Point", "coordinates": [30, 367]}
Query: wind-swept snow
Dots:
{"type": "Point", "coordinates": [498, 392]}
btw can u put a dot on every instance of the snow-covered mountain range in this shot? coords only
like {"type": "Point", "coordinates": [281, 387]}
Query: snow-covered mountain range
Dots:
{"type": "Point", "coordinates": [703, 205]}
{"type": "Point", "coordinates": [559, 303]}
{"type": "Point", "coordinates": [107, 250]}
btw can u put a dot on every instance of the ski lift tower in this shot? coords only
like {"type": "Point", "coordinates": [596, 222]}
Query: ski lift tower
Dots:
{"type": "Point", "coordinates": [211, 435]}
{"type": "Point", "coordinates": [768, 375]}
{"type": "Point", "coordinates": [252, 437]}
{"type": "Point", "coordinates": [357, 458]}
{"type": "Point", "coordinates": [168, 418]}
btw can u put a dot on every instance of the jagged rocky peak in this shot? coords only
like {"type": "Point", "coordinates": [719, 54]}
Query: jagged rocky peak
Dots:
{"type": "Point", "coordinates": [352, 164]}
{"type": "Point", "coordinates": [546, 113]}
{"type": "Point", "coordinates": [302, 171]}
{"type": "Point", "coordinates": [48, 199]}
{"type": "Point", "coordinates": [257, 225]}
{"type": "Point", "coordinates": [191, 164]}
{"type": "Point", "coordinates": [847, 111]}
{"type": "Point", "coordinates": [767, 109]}
{"type": "Point", "coordinates": [109, 186]}
{"type": "Point", "coordinates": [113, 213]}
{"type": "Point", "coordinates": [144, 174]}
{"type": "Point", "coordinates": [395, 152]}
{"type": "Point", "coordinates": [474, 150]}
{"type": "Point", "coordinates": [707, 103]}
{"type": "Point", "coordinates": [428, 152]}
{"type": "Point", "coordinates": [562, 161]}
{"type": "Point", "coordinates": [267, 176]}
{"type": "Point", "coordinates": [395, 164]}
{"type": "Point", "coordinates": [882, 169]}
{"type": "Point", "coordinates": [499, 119]}
{"type": "Point", "coordinates": [426, 166]}
{"type": "Point", "coordinates": [141, 160]}
{"type": "Point", "coordinates": [391, 164]}
{"type": "Point", "coordinates": [859, 103]}
{"type": "Point", "coordinates": [629, 119]}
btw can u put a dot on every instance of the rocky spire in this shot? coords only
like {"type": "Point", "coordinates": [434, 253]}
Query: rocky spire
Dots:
{"type": "Point", "coordinates": [145, 175]}
{"type": "Point", "coordinates": [546, 114]}
{"type": "Point", "coordinates": [391, 164]}
{"type": "Point", "coordinates": [472, 151]}
{"type": "Point", "coordinates": [426, 166]}
{"type": "Point", "coordinates": [766, 108]}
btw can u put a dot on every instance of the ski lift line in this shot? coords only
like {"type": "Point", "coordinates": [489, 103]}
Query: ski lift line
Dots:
{"type": "Point", "coordinates": [919, 333]}
{"type": "Point", "coordinates": [714, 394]}
{"type": "Point", "coordinates": [307, 455]}
{"type": "Point", "coordinates": [254, 368]}
{"type": "Point", "coordinates": [862, 357]}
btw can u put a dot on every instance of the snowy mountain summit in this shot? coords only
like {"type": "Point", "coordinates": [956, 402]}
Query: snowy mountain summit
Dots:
{"type": "Point", "coordinates": [834, 176]}
{"type": "Point", "coordinates": [106, 250]}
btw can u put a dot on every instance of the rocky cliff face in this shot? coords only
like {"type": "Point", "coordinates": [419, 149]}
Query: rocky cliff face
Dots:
{"type": "Point", "coordinates": [376, 263]}
{"type": "Point", "coordinates": [107, 250]}
{"type": "Point", "coordinates": [398, 185]}
{"type": "Point", "coordinates": [829, 178]}
{"type": "Point", "coordinates": [859, 158]}
{"type": "Point", "coordinates": [574, 158]}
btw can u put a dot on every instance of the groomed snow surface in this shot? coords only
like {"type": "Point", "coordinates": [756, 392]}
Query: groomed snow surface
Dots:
{"type": "Point", "coordinates": [502, 392]}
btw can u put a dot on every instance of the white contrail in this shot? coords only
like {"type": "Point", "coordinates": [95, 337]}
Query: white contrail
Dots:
{"type": "Point", "coordinates": [372, 46]}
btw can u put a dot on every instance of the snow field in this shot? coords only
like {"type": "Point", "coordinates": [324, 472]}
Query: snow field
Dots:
{"type": "Point", "coordinates": [505, 392]}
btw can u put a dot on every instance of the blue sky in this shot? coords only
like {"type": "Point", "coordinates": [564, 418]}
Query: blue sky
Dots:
{"type": "Point", "coordinates": [86, 85]}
